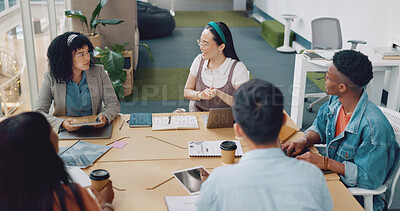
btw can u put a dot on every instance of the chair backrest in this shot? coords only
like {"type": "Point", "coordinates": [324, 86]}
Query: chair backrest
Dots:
{"type": "Point", "coordinates": [326, 34]}
{"type": "Point", "coordinates": [394, 119]}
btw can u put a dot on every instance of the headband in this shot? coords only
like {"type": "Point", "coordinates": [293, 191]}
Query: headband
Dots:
{"type": "Point", "coordinates": [70, 38]}
{"type": "Point", "coordinates": [219, 31]}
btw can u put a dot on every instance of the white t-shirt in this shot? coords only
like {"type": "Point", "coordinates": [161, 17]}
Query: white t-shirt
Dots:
{"type": "Point", "coordinates": [218, 77]}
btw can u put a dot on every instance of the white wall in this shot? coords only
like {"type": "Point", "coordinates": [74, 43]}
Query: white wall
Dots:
{"type": "Point", "coordinates": [376, 22]}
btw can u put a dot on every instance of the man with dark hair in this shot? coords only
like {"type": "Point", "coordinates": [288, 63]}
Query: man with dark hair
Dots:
{"type": "Point", "coordinates": [264, 179]}
{"type": "Point", "coordinates": [361, 145]}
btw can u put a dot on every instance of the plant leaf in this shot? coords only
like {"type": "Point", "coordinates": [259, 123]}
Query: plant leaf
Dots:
{"type": "Point", "coordinates": [76, 14]}
{"type": "Point", "coordinates": [118, 88]}
{"type": "Point", "coordinates": [110, 21]}
{"type": "Point", "coordinates": [96, 12]}
{"type": "Point", "coordinates": [113, 63]}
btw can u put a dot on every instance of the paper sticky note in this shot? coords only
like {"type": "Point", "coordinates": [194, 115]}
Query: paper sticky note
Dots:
{"type": "Point", "coordinates": [119, 144]}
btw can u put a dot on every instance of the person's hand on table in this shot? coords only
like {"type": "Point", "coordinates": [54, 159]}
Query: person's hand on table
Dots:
{"type": "Point", "coordinates": [103, 120]}
{"type": "Point", "coordinates": [294, 148]}
{"type": "Point", "coordinates": [106, 195]}
{"type": "Point", "coordinates": [313, 158]}
{"type": "Point", "coordinates": [67, 124]}
{"type": "Point", "coordinates": [207, 94]}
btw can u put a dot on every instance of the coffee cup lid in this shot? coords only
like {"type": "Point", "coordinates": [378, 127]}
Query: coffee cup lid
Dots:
{"type": "Point", "coordinates": [228, 145]}
{"type": "Point", "coordinates": [99, 174]}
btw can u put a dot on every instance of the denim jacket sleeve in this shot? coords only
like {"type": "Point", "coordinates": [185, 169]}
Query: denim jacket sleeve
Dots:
{"type": "Point", "coordinates": [319, 124]}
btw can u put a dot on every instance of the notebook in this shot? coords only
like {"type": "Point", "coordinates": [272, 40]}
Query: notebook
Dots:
{"type": "Point", "coordinates": [82, 154]}
{"type": "Point", "coordinates": [87, 132]}
{"type": "Point", "coordinates": [174, 122]}
{"type": "Point", "coordinates": [286, 132]}
{"type": "Point", "coordinates": [218, 118]}
{"type": "Point", "coordinates": [210, 148]}
{"type": "Point", "coordinates": [181, 203]}
{"type": "Point", "coordinates": [140, 120]}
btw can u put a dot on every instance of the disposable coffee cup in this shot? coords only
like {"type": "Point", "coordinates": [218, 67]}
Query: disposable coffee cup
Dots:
{"type": "Point", "coordinates": [228, 149]}
{"type": "Point", "coordinates": [99, 178]}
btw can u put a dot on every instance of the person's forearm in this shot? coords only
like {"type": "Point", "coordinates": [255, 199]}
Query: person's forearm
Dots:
{"type": "Point", "coordinates": [336, 166]}
{"type": "Point", "coordinates": [191, 94]}
{"type": "Point", "coordinates": [228, 99]}
{"type": "Point", "coordinates": [312, 138]}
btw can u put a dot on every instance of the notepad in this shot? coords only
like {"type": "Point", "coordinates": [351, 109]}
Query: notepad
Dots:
{"type": "Point", "coordinates": [82, 154]}
{"type": "Point", "coordinates": [181, 203]}
{"type": "Point", "coordinates": [140, 120]}
{"type": "Point", "coordinates": [175, 122]}
{"type": "Point", "coordinates": [210, 148]}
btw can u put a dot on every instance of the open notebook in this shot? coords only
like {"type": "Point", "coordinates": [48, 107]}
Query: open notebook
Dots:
{"type": "Point", "coordinates": [174, 122]}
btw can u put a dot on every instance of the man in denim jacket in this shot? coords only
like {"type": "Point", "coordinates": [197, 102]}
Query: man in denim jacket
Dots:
{"type": "Point", "coordinates": [361, 145]}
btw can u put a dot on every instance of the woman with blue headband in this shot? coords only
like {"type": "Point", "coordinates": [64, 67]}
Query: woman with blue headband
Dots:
{"type": "Point", "coordinates": [215, 73]}
{"type": "Point", "coordinates": [75, 85]}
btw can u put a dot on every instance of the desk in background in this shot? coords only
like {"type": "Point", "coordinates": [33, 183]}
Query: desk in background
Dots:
{"type": "Point", "coordinates": [148, 163]}
{"type": "Point", "coordinates": [374, 88]}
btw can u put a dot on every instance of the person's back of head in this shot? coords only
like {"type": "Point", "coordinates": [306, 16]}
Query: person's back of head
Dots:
{"type": "Point", "coordinates": [258, 109]}
{"type": "Point", "coordinates": [354, 65]}
{"type": "Point", "coordinates": [31, 172]}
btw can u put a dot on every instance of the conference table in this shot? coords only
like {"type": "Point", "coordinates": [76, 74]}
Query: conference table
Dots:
{"type": "Point", "coordinates": [142, 170]}
{"type": "Point", "coordinates": [384, 71]}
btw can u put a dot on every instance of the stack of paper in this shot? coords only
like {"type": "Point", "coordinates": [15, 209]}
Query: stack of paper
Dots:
{"type": "Point", "coordinates": [388, 53]}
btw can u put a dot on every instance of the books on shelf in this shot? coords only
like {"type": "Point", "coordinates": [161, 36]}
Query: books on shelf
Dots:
{"type": "Point", "coordinates": [210, 148]}
{"type": "Point", "coordinates": [82, 154]}
{"type": "Point", "coordinates": [181, 203]}
{"type": "Point", "coordinates": [174, 122]}
{"type": "Point", "coordinates": [140, 120]}
{"type": "Point", "coordinates": [391, 57]}
{"type": "Point", "coordinates": [313, 56]}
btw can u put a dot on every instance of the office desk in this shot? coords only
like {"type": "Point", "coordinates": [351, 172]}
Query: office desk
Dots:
{"type": "Point", "coordinates": [381, 68]}
{"type": "Point", "coordinates": [147, 163]}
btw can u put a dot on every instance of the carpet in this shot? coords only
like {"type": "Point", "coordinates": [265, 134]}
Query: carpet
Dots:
{"type": "Point", "coordinates": [318, 79]}
{"type": "Point", "coordinates": [201, 18]}
{"type": "Point", "coordinates": [159, 84]}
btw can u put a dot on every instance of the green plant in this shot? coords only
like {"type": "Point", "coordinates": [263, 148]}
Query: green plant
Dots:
{"type": "Point", "coordinates": [113, 61]}
{"type": "Point", "coordinates": [94, 20]}
{"type": "Point", "coordinates": [112, 58]}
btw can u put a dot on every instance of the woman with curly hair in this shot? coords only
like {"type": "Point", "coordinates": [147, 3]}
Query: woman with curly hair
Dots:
{"type": "Point", "coordinates": [75, 85]}
{"type": "Point", "coordinates": [33, 177]}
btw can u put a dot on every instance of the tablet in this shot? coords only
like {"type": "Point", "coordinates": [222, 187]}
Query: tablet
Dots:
{"type": "Point", "coordinates": [218, 118]}
{"type": "Point", "coordinates": [86, 123]}
{"type": "Point", "coordinates": [192, 178]}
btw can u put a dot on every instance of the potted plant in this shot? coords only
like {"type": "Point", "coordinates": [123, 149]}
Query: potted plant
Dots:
{"type": "Point", "coordinates": [94, 21]}
{"type": "Point", "coordinates": [112, 58]}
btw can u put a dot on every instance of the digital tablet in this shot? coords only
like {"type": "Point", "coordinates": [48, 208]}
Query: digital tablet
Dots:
{"type": "Point", "coordinates": [86, 123]}
{"type": "Point", "coordinates": [192, 178]}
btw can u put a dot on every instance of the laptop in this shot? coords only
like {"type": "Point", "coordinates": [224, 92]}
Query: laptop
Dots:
{"type": "Point", "coordinates": [87, 132]}
{"type": "Point", "coordinates": [218, 118]}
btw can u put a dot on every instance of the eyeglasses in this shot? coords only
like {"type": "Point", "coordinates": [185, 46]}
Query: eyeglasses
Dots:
{"type": "Point", "coordinates": [202, 44]}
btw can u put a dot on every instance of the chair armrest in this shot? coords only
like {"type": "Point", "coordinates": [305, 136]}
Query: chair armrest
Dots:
{"type": "Point", "coordinates": [365, 192]}
{"type": "Point", "coordinates": [357, 41]}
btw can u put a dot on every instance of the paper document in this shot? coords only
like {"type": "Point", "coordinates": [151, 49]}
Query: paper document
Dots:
{"type": "Point", "coordinates": [181, 203]}
{"type": "Point", "coordinates": [210, 148]}
{"type": "Point", "coordinates": [78, 176]}
{"type": "Point", "coordinates": [175, 122]}
{"type": "Point", "coordinates": [82, 154]}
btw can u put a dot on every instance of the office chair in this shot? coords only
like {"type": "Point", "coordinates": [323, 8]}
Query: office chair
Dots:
{"type": "Point", "coordinates": [326, 34]}
{"type": "Point", "coordinates": [390, 185]}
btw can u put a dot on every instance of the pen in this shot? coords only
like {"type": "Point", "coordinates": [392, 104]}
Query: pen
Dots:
{"type": "Point", "coordinates": [169, 119]}
{"type": "Point", "coordinates": [122, 124]}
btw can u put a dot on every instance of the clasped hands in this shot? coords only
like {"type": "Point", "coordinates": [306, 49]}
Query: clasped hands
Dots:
{"type": "Point", "coordinates": [207, 94]}
{"type": "Point", "coordinates": [68, 123]}
{"type": "Point", "coordinates": [295, 148]}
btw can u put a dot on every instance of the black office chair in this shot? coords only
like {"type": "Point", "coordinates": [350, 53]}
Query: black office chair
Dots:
{"type": "Point", "coordinates": [326, 34]}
